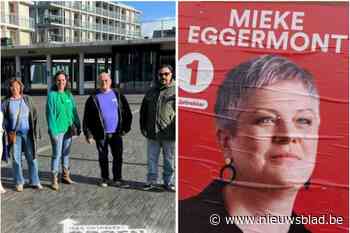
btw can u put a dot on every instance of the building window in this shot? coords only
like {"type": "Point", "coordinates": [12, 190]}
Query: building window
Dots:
{"type": "Point", "coordinates": [55, 34]}
{"type": "Point", "coordinates": [76, 20]}
{"type": "Point", "coordinates": [76, 36]}
{"type": "Point", "coordinates": [13, 36]}
{"type": "Point", "coordinates": [41, 36]}
{"type": "Point", "coordinates": [12, 8]}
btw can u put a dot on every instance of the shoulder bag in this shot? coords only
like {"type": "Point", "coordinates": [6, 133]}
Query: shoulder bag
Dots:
{"type": "Point", "coordinates": [12, 134]}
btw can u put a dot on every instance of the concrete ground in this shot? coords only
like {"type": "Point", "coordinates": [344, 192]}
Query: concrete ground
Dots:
{"type": "Point", "coordinates": [41, 211]}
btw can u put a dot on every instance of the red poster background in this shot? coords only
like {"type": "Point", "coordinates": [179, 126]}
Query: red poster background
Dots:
{"type": "Point", "coordinates": [200, 158]}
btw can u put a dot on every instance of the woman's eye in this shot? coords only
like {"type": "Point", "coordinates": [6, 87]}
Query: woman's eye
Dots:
{"type": "Point", "coordinates": [265, 121]}
{"type": "Point", "coordinates": [304, 121]}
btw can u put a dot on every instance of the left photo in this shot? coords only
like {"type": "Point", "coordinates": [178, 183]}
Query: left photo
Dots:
{"type": "Point", "coordinates": [88, 116]}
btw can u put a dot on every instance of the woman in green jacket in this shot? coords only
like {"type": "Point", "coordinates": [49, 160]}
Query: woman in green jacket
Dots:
{"type": "Point", "coordinates": [63, 123]}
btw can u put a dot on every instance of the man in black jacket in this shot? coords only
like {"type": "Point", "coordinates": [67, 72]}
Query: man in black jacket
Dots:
{"type": "Point", "coordinates": [107, 117]}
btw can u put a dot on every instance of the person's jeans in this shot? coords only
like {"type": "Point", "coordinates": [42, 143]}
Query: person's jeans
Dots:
{"type": "Point", "coordinates": [61, 144]}
{"type": "Point", "coordinates": [153, 151]}
{"type": "Point", "coordinates": [116, 143]}
{"type": "Point", "coordinates": [25, 144]}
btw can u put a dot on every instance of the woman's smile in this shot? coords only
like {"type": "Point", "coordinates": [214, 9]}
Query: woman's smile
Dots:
{"type": "Point", "coordinates": [276, 138]}
{"type": "Point", "coordinates": [284, 158]}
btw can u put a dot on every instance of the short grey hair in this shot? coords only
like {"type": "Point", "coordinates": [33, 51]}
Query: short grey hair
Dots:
{"type": "Point", "coordinates": [256, 73]}
{"type": "Point", "coordinates": [104, 73]}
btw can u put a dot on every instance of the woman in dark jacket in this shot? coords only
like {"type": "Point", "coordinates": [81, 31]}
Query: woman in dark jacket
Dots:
{"type": "Point", "coordinates": [20, 119]}
{"type": "Point", "coordinates": [267, 117]}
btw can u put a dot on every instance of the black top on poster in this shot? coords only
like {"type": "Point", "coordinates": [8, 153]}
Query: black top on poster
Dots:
{"type": "Point", "coordinates": [200, 214]}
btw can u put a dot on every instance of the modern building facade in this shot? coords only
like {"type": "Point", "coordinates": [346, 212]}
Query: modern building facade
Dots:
{"type": "Point", "coordinates": [84, 21]}
{"type": "Point", "coordinates": [29, 22]}
{"type": "Point", "coordinates": [133, 64]}
{"type": "Point", "coordinates": [164, 27]}
{"type": "Point", "coordinates": [17, 22]}
{"type": "Point", "coordinates": [83, 38]}
{"type": "Point", "coordinates": [164, 33]}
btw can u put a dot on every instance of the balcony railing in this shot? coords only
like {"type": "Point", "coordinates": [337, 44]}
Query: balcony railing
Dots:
{"type": "Point", "coordinates": [136, 19]}
{"type": "Point", "coordinates": [76, 23]}
{"type": "Point", "coordinates": [56, 38]}
{"type": "Point", "coordinates": [77, 39]}
{"type": "Point", "coordinates": [86, 25]}
{"type": "Point", "coordinates": [13, 19]}
{"type": "Point", "coordinates": [47, 19]}
{"type": "Point", "coordinates": [20, 21]}
{"type": "Point", "coordinates": [98, 10]}
{"type": "Point", "coordinates": [54, 2]}
{"type": "Point", "coordinates": [93, 9]}
{"type": "Point", "coordinates": [76, 5]}
{"type": "Point", "coordinates": [121, 31]}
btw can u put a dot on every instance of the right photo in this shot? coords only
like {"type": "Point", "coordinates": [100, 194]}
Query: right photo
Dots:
{"type": "Point", "coordinates": [263, 139]}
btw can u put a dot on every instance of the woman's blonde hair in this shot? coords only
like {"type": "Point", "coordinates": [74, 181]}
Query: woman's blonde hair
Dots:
{"type": "Point", "coordinates": [251, 75]}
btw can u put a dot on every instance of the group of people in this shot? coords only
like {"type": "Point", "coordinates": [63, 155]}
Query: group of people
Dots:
{"type": "Point", "coordinates": [107, 118]}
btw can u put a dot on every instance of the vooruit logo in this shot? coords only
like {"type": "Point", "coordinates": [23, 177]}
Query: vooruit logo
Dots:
{"type": "Point", "coordinates": [67, 223]}
{"type": "Point", "coordinates": [69, 226]}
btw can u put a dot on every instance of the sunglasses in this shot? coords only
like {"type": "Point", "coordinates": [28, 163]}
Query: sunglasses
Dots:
{"type": "Point", "coordinates": [164, 74]}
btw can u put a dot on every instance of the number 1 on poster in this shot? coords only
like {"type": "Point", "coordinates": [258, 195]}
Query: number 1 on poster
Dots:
{"type": "Point", "coordinates": [194, 72]}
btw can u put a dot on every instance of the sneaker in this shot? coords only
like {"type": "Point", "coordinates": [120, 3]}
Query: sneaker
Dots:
{"type": "Point", "coordinates": [152, 188]}
{"type": "Point", "coordinates": [170, 187]}
{"type": "Point", "coordinates": [19, 188]}
{"type": "Point", "coordinates": [104, 183]}
{"type": "Point", "coordinates": [38, 186]}
{"type": "Point", "coordinates": [121, 184]}
{"type": "Point", "coordinates": [2, 191]}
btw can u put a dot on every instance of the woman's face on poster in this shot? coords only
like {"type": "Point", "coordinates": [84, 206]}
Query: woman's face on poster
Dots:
{"type": "Point", "coordinates": [277, 135]}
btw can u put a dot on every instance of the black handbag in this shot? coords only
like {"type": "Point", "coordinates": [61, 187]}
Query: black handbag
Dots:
{"type": "Point", "coordinates": [73, 130]}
